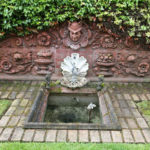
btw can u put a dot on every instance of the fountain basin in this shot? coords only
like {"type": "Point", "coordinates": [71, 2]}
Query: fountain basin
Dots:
{"type": "Point", "coordinates": [62, 108]}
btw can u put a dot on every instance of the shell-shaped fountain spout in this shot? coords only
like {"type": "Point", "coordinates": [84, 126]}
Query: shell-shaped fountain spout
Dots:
{"type": "Point", "coordinates": [74, 70]}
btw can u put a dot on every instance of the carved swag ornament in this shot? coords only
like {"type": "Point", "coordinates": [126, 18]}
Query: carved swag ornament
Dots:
{"type": "Point", "coordinates": [137, 65]}
{"type": "Point", "coordinates": [122, 64]}
{"type": "Point", "coordinates": [16, 62]}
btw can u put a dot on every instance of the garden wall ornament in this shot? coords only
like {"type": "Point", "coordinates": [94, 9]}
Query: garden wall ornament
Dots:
{"type": "Point", "coordinates": [76, 35]}
{"type": "Point", "coordinates": [44, 62]}
{"type": "Point", "coordinates": [74, 70]}
{"type": "Point", "coordinates": [105, 62]}
{"type": "Point", "coordinates": [42, 52]}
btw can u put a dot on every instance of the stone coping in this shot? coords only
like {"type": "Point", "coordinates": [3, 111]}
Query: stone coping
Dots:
{"type": "Point", "coordinates": [41, 78]}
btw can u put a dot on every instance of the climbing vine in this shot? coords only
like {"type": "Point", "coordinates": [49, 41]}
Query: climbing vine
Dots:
{"type": "Point", "coordinates": [128, 17]}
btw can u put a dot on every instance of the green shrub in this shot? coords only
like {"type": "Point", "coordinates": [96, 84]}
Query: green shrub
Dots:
{"type": "Point", "coordinates": [128, 17]}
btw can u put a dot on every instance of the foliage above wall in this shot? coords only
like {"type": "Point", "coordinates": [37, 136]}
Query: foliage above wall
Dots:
{"type": "Point", "coordinates": [125, 17]}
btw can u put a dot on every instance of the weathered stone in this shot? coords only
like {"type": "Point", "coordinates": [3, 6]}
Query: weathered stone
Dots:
{"type": "Point", "coordinates": [103, 106]}
{"type": "Point", "coordinates": [15, 102]}
{"type": "Point", "coordinates": [21, 121]}
{"type": "Point", "coordinates": [27, 109]}
{"type": "Point", "coordinates": [148, 96]}
{"type": "Point", "coordinates": [106, 119]}
{"type": "Point", "coordinates": [147, 118]}
{"type": "Point", "coordinates": [62, 136]}
{"type": "Point", "coordinates": [5, 95]}
{"type": "Point", "coordinates": [146, 133]}
{"type": "Point", "coordinates": [126, 112]}
{"type": "Point", "coordinates": [127, 136]}
{"type": "Point", "coordinates": [135, 97]}
{"type": "Point", "coordinates": [123, 123]}
{"type": "Point", "coordinates": [34, 82]}
{"type": "Point", "coordinates": [17, 135]}
{"type": "Point", "coordinates": [20, 95]}
{"type": "Point", "coordinates": [132, 123]}
{"type": "Point", "coordinates": [28, 135]}
{"type": "Point", "coordinates": [113, 97]}
{"type": "Point", "coordinates": [119, 96]}
{"type": "Point", "coordinates": [31, 89]}
{"type": "Point", "coordinates": [115, 104]}
{"type": "Point", "coordinates": [123, 103]}
{"type": "Point", "coordinates": [39, 136]}
{"type": "Point", "coordinates": [19, 111]}
{"type": "Point", "coordinates": [4, 120]}
{"type": "Point", "coordinates": [106, 95]}
{"type": "Point", "coordinates": [136, 113]}
{"type": "Point", "coordinates": [12, 95]}
{"type": "Point", "coordinates": [131, 104]}
{"type": "Point", "coordinates": [83, 136]}
{"type": "Point", "coordinates": [1, 129]}
{"type": "Point", "coordinates": [142, 97]}
{"type": "Point", "coordinates": [24, 88]}
{"type": "Point", "coordinates": [5, 136]}
{"type": "Point", "coordinates": [72, 135]}
{"type": "Point", "coordinates": [51, 136]}
{"type": "Point", "coordinates": [13, 121]}
{"type": "Point", "coordinates": [116, 136]}
{"type": "Point", "coordinates": [28, 95]}
{"type": "Point", "coordinates": [30, 103]}
{"type": "Point", "coordinates": [10, 88]}
{"type": "Point", "coordinates": [127, 97]}
{"type": "Point", "coordinates": [118, 112]}
{"type": "Point", "coordinates": [110, 91]}
{"type": "Point", "coordinates": [24, 102]}
{"type": "Point", "coordinates": [10, 111]}
{"type": "Point", "coordinates": [106, 136]}
{"type": "Point", "coordinates": [142, 123]}
{"type": "Point", "coordinates": [0, 93]}
{"type": "Point", "coordinates": [94, 136]}
{"type": "Point", "coordinates": [138, 136]}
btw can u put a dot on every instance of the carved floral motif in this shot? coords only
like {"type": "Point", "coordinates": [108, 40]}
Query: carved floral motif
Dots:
{"type": "Point", "coordinates": [6, 65]}
{"type": "Point", "coordinates": [44, 39]}
{"type": "Point", "coordinates": [143, 67]}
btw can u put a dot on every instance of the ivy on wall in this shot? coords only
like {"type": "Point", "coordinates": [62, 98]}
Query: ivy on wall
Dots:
{"type": "Point", "coordinates": [128, 17]}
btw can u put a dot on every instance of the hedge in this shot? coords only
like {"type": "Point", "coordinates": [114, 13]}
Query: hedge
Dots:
{"type": "Point", "coordinates": [126, 17]}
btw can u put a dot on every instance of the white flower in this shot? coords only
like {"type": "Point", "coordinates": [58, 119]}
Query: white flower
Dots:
{"type": "Point", "coordinates": [91, 106]}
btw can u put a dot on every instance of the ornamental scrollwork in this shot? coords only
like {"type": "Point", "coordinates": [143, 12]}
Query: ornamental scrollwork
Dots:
{"type": "Point", "coordinates": [44, 39]}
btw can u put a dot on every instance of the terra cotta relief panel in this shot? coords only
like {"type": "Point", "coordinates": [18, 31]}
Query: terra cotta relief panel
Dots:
{"type": "Point", "coordinates": [42, 52]}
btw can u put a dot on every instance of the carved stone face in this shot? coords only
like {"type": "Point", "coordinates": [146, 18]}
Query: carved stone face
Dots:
{"type": "Point", "coordinates": [106, 58]}
{"type": "Point", "coordinates": [75, 31]}
{"type": "Point", "coordinates": [75, 36]}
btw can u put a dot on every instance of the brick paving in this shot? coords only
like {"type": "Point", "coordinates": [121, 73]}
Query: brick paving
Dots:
{"type": "Point", "coordinates": [135, 126]}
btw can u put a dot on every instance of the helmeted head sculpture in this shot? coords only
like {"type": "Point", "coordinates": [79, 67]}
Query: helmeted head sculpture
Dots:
{"type": "Point", "coordinates": [75, 30]}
